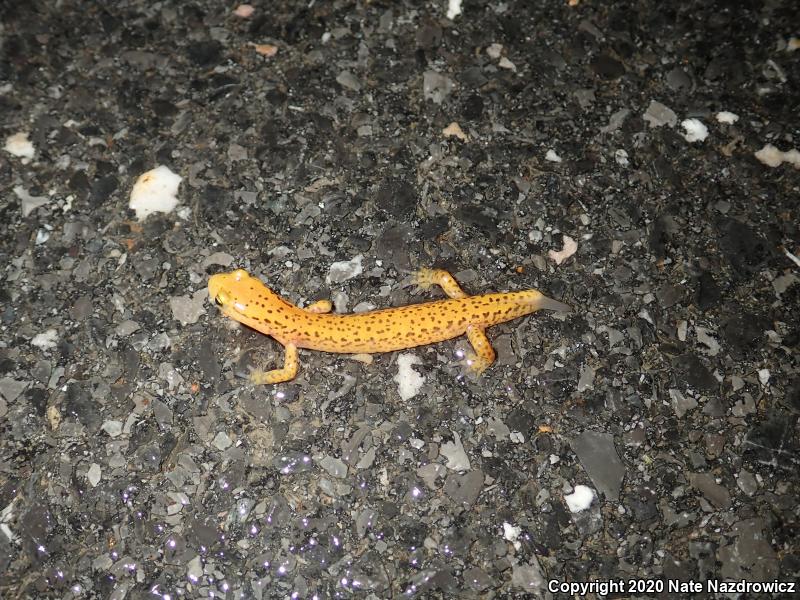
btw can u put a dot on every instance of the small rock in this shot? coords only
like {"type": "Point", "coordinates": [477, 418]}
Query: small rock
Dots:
{"type": "Point", "coordinates": [93, 474]}
{"type": "Point", "coordinates": [570, 248]}
{"type": "Point", "coordinates": [552, 156]}
{"type": "Point", "coordinates": [436, 87]}
{"type": "Point", "coordinates": [586, 380]}
{"type": "Point", "coordinates": [580, 499]}
{"type": "Point", "coordinates": [45, 341]}
{"type": "Point", "coordinates": [464, 489]}
{"type": "Point", "coordinates": [617, 119]}
{"type": "Point", "coordinates": [222, 441]}
{"type": "Point", "coordinates": [528, 577]}
{"type": "Point", "coordinates": [727, 118]}
{"type": "Point", "coordinates": [658, 115]}
{"type": "Point", "coordinates": [504, 63]}
{"type": "Point", "coordinates": [27, 202]}
{"type": "Point", "coordinates": [155, 191]}
{"type": "Point", "coordinates": [126, 328]}
{"type": "Point", "coordinates": [457, 459]}
{"type": "Point", "coordinates": [747, 482]}
{"type": "Point", "coordinates": [409, 382]}
{"type": "Point", "coordinates": [680, 403]}
{"type": "Point", "coordinates": [112, 428]}
{"type": "Point", "coordinates": [244, 11]}
{"type": "Point", "coordinates": [19, 145]}
{"type": "Point", "coordinates": [678, 79]}
{"type": "Point", "coordinates": [222, 259]}
{"type": "Point", "coordinates": [495, 51]}
{"type": "Point", "coordinates": [344, 270]}
{"type": "Point", "coordinates": [454, 130]}
{"type": "Point", "coordinates": [695, 130]}
{"type": "Point", "coordinates": [772, 157]}
{"type": "Point", "coordinates": [716, 494]}
{"type": "Point", "coordinates": [10, 389]}
{"type": "Point", "coordinates": [348, 80]}
{"type": "Point", "coordinates": [751, 555]}
{"type": "Point", "coordinates": [600, 459]}
{"type": "Point", "coordinates": [335, 467]}
{"type": "Point", "coordinates": [188, 309]}
{"type": "Point", "coordinates": [704, 338]}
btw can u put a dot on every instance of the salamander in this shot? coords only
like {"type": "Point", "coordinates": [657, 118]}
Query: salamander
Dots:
{"type": "Point", "coordinates": [247, 300]}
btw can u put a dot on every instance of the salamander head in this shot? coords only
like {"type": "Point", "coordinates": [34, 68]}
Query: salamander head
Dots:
{"type": "Point", "coordinates": [231, 291]}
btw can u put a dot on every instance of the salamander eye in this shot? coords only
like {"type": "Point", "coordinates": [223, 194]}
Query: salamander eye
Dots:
{"type": "Point", "coordinates": [221, 299]}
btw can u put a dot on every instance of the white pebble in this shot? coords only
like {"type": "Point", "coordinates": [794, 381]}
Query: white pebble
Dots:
{"type": "Point", "coordinates": [580, 499]}
{"type": "Point", "coordinates": [552, 156]}
{"type": "Point", "coordinates": [155, 191]}
{"type": "Point", "coordinates": [495, 51]}
{"type": "Point", "coordinates": [695, 130]}
{"type": "Point", "coordinates": [19, 145]}
{"type": "Point", "coordinates": [453, 9]}
{"type": "Point", "coordinates": [409, 382]}
{"type": "Point", "coordinates": [772, 157]}
{"type": "Point", "coordinates": [46, 340]}
{"type": "Point", "coordinates": [570, 248]}
{"type": "Point", "coordinates": [726, 117]}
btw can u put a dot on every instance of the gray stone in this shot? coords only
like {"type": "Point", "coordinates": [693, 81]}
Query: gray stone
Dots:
{"type": "Point", "coordinates": [716, 494]}
{"type": "Point", "coordinates": [335, 467]}
{"type": "Point", "coordinates": [599, 458]}
{"type": "Point", "coordinates": [436, 87]}
{"type": "Point", "coordinates": [658, 115]}
{"type": "Point", "coordinates": [464, 489]}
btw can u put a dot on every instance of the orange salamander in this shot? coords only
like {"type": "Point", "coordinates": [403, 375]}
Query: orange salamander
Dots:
{"type": "Point", "coordinates": [247, 300]}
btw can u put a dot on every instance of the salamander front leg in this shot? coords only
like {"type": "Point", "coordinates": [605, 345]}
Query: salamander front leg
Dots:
{"type": "Point", "coordinates": [319, 307]}
{"type": "Point", "coordinates": [288, 372]}
{"type": "Point", "coordinates": [484, 353]}
{"type": "Point", "coordinates": [425, 278]}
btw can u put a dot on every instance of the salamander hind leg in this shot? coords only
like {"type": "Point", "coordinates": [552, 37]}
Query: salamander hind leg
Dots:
{"type": "Point", "coordinates": [425, 278]}
{"type": "Point", "coordinates": [484, 353]}
{"type": "Point", "coordinates": [319, 307]}
{"type": "Point", "coordinates": [288, 372]}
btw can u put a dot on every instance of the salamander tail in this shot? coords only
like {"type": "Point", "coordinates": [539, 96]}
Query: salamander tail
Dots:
{"type": "Point", "coordinates": [542, 302]}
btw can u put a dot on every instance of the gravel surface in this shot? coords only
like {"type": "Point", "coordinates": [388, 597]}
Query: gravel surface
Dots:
{"type": "Point", "coordinates": [613, 157]}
